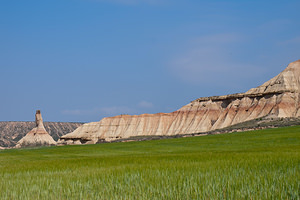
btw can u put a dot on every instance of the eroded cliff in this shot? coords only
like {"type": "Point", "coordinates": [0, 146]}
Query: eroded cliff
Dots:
{"type": "Point", "coordinates": [278, 97]}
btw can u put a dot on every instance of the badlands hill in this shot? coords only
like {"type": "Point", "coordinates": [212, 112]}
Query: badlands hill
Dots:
{"type": "Point", "coordinates": [12, 132]}
{"type": "Point", "coordinates": [276, 98]}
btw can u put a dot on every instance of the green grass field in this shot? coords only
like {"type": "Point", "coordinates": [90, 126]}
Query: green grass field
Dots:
{"type": "Point", "coordinates": [253, 165]}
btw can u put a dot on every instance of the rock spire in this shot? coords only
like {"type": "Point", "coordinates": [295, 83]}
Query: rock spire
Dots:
{"type": "Point", "coordinates": [38, 136]}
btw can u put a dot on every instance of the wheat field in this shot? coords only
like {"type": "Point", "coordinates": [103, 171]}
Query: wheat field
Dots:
{"type": "Point", "coordinates": [261, 164]}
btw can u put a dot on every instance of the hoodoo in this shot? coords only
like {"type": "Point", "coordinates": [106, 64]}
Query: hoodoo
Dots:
{"type": "Point", "coordinates": [277, 98]}
{"type": "Point", "coordinates": [38, 136]}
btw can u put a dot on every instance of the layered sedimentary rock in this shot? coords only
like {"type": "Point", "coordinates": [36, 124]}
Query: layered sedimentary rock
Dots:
{"type": "Point", "coordinates": [38, 136]}
{"type": "Point", "coordinates": [278, 97]}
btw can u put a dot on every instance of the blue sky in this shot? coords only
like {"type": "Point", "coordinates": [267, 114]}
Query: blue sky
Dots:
{"type": "Point", "coordinates": [82, 60]}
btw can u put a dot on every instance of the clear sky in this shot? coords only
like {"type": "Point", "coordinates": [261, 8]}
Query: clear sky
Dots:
{"type": "Point", "coordinates": [82, 60]}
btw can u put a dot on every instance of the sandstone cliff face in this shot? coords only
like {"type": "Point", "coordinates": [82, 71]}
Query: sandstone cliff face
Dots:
{"type": "Point", "coordinates": [278, 97]}
{"type": "Point", "coordinates": [38, 136]}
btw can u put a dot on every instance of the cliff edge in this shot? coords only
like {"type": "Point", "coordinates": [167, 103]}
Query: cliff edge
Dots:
{"type": "Point", "coordinates": [278, 97]}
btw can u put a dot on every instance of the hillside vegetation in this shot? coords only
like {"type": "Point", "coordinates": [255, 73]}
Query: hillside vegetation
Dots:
{"type": "Point", "coordinates": [262, 164]}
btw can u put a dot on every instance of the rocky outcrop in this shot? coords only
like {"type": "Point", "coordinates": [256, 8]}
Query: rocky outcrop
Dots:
{"type": "Point", "coordinates": [38, 136]}
{"type": "Point", "coordinates": [12, 132]}
{"type": "Point", "coordinates": [278, 97]}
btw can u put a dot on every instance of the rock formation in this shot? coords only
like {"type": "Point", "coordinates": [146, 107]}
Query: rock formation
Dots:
{"type": "Point", "coordinates": [278, 97]}
{"type": "Point", "coordinates": [38, 136]}
{"type": "Point", "coordinates": [12, 131]}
